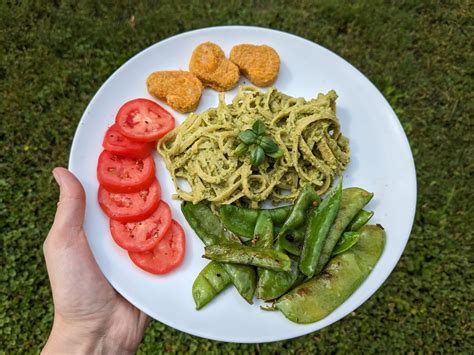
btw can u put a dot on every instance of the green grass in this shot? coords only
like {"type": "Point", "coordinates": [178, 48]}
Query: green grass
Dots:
{"type": "Point", "coordinates": [55, 55]}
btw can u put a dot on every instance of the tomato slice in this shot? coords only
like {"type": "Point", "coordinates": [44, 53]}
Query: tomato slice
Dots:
{"type": "Point", "coordinates": [143, 235]}
{"type": "Point", "coordinates": [122, 174]}
{"type": "Point", "coordinates": [130, 207]}
{"type": "Point", "coordinates": [144, 120]}
{"type": "Point", "coordinates": [115, 142]}
{"type": "Point", "coordinates": [166, 255]}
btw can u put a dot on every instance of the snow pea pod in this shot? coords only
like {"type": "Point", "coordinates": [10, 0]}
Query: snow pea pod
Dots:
{"type": "Point", "coordinates": [306, 198]}
{"type": "Point", "coordinates": [318, 297]}
{"type": "Point", "coordinates": [347, 241]}
{"type": "Point", "coordinates": [209, 283]}
{"type": "Point", "coordinates": [241, 221]}
{"type": "Point", "coordinates": [210, 230]}
{"type": "Point", "coordinates": [359, 221]}
{"type": "Point", "coordinates": [271, 284]}
{"type": "Point", "coordinates": [240, 254]}
{"type": "Point", "coordinates": [353, 200]}
{"type": "Point", "coordinates": [279, 214]}
{"type": "Point", "coordinates": [299, 232]}
{"type": "Point", "coordinates": [320, 221]}
{"type": "Point", "coordinates": [263, 234]}
{"type": "Point", "coordinates": [293, 248]}
{"type": "Point", "coordinates": [238, 220]}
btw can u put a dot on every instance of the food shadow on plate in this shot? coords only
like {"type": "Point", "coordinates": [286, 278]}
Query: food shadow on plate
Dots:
{"type": "Point", "coordinates": [346, 121]}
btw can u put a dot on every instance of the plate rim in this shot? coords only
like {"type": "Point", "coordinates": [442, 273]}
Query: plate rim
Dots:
{"type": "Point", "coordinates": [399, 127]}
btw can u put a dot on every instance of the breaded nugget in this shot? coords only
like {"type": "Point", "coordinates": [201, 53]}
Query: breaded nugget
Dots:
{"type": "Point", "coordinates": [260, 64]}
{"type": "Point", "coordinates": [208, 63]}
{"type": "Point", "coordinates": [178, 88]}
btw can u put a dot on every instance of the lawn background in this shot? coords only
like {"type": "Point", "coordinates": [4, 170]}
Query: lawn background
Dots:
{"type": "Point", "coordinates": [55, 55]}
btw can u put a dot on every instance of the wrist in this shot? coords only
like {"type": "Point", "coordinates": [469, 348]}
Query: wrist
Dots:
{"type": "Point", "coordinates": [67, 337]}
{"type": "Point", "coordinates": [80, 338]}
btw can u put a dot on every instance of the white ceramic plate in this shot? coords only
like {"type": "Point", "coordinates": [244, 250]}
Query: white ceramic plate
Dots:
{"type": "Point", "coordinates": [381, 162]}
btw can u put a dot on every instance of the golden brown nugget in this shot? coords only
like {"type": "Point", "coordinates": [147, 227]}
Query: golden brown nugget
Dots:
{"type": "Point", "coordinates": [208, 63]}
{"type": "Point", "coordinates": [180, 89]}
{"type": "Point", "coordinates": [260, 64]}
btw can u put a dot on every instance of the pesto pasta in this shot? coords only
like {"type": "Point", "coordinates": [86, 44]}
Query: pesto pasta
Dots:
{"type": "Point", "coordinates": [201, 150]}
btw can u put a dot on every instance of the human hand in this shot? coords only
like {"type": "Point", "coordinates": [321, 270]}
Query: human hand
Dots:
{"type": "Point", "coordinates": [89, 315]}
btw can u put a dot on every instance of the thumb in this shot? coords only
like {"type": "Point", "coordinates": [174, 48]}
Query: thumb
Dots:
{"type": "Point", "coordinates": [72, 202]}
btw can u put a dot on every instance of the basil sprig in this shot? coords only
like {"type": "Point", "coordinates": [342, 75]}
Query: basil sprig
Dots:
{"type": "Point", "coordinates": [259, 143]}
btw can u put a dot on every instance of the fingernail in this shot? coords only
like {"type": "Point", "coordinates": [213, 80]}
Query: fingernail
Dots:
{"type": "Point", "coordinates": [56, 177]}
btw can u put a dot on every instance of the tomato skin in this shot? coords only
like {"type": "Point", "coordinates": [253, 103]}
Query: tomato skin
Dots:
{"type": "Point", "coordinates": [166, 255]}
{"type": "Point", "coordinates": [115, 142]}
{"type": "Point", "coordinates": [144, 120]}
{"type": "Point", "coordinates": [143, 235]}
{"type": "Point", "coordinates": [130, 207]}
{"type": "Point", "coordinates": [117, 173]}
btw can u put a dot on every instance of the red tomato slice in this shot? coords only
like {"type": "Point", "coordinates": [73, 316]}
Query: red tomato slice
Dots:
{"type": "Point", "coordinates": [166, 255]}
{"type": "Point", "coordinates": [121, 174]}
{"type": "Point", "coordinates": [130, 207]}
{"type": "Point", "coordinates": [144, 235]}
{"type": "Point", "coordinates": [117, 143]}
{"type": "Point", "coordinates": [144, 120]}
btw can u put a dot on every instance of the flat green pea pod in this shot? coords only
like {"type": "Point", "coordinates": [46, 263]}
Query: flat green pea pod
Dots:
{"type": "Point", "coordinates": [279, 214]}
{"type": "Point", "coordinates": [238, 220]}
{"type": "Point", "coordinates": [271, 284]}
{"type": "Point", "coordinates": [241, 221]}
{"type": "Point", "coordinates": [299, 233]}
{"type": "Point", "coordinates": [318, 297]}
{"type": "Point", "coordinates": [359, 221]}
{"type": "Point", "coordinates": [353, 200]}
{"type": "Point", "coordinates": [209, 283]}
{"type": "Point", "coordinates": [320, 221]}
{"type": "Point", "coordinates": [210, 230]}
{"type": "Point", "coordinates": [347, 241]}
{"type": "Point", "coordinates": [240, 254]}
{"type": "Point", "coordinates": [263, 233]}
{"type": "Point", "coordinates": [291, 247]}
{"type": "Point", "coordinates": [306, 198]}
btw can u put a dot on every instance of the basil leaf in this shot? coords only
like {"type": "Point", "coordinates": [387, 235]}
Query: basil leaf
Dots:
{"type": "Point", "coordinates": [241, 149]}
{"type": "Point", "coordinates": [276, 155]}
{"type": "Point", "coordinates": [257, 155]}
{"type": "Point", "coordinates": [268, 145]}
{"type": "Point", "coordinates": [248, 137]}
{"type": "Point", "coordinates": [259, 127]}
{"type": "Point", "coordinates": [347, 241]}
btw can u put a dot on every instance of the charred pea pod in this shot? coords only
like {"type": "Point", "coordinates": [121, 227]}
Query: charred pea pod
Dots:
{"type": "Point", "coordinates": [291, 247]}
{"type": "Point", "coordinates": [306, 198]}
{"type": "Point", "coordinates": [353, 200]}
{"type": "Point", "coordinates": [238, 220]}
{"type": "Point", "coordinates": [209, 283]}
{"type": "Point", "coordinates": [279, 214]}
{"type": "Point", "coordinates": [359, 221]}
{"type": "Point", "coordinates": [318, 297]}
{"type": "Point", "coordinates": [320, 221]}
{"type": "Point", "coordinates": [263, 233]}
{"type": "Point", "coordinates": [241, 221]}
{"type": "Point", "coordinates": [210, 230]}
{"type": "Point", "coordinates": [272, 284]}
{"type": "Point", "coordinates": [239, 254]}
{"type": "Point", "coordinates": [347, 241]}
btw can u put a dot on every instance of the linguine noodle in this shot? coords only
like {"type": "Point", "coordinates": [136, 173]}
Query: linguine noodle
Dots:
{"type": "Point", "coordinates": [201, 150]}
